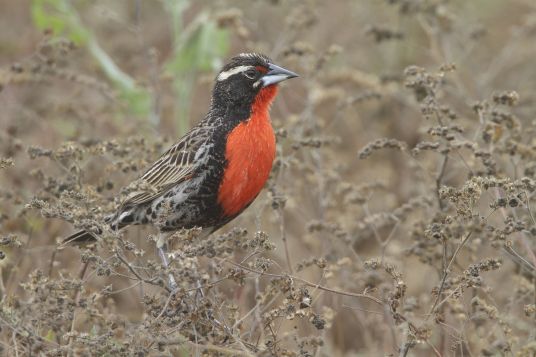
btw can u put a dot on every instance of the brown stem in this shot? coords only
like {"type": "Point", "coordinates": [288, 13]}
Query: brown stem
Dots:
{"type": "Point", "coordinates": [317, 286]}
{"type": "Point", "coordinates": [76, 299]}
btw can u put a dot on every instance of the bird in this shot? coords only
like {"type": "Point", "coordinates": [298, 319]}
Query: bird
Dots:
{"type": "Point", "coordinates": [218, 168]}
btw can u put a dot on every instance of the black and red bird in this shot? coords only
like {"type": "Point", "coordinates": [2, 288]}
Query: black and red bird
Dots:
{"type": "Point", "coordinates": [219, 167]}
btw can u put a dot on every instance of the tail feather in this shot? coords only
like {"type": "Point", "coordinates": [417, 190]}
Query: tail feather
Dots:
{"type": "Point", "coordinates": [115, 222]}
{"type": "Point", "coordinates": [80, 237]}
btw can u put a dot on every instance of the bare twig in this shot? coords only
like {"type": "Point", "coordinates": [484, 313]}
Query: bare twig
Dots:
{"type": "Point", "coordinates": [76, 298]}
{"type": "Point", "coordinates": [283, 233]}
{"type": "Point", "coordinates": [446, 272]}
{"type": "Point", "coordinates": [207, 347]}
{"type": "Point", "coordinates": [136, 274]}
{"type": "Point", "coordinates": [335, 291]}
{"type": "Point", "coordinates": [439, 179]}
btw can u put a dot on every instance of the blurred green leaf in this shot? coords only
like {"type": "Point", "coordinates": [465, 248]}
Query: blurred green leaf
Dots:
{"type": "Point", "coordinates": [197, 48]}
{"type": "Point", "coordinates": [63, 20]}
{"type": "Point", "coordinates": [65, 127]}
{"type": "Point", "coordinates": [137, 98]}
{"type": "Point", "coordinates": [50, 336]}
{"type": "Point", "coordinates": [204, 43]}
{"type": "Point", "coordinates": [60, 17]}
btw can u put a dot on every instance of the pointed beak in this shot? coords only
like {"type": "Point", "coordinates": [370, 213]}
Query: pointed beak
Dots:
{"type": "Point", "coordinates": [276, 74]}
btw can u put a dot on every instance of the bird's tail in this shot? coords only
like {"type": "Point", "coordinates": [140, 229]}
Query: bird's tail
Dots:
{"type": "Point", "coordinates": [80, 237]}
{"type": "Point", "coordinates": [114, 222]}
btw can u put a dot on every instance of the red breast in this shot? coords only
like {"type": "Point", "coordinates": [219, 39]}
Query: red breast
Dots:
{"type": "Point", "coordinates": [250, 153]}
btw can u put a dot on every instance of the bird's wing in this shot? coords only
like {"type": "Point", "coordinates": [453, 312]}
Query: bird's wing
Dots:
{"type": "Point", "coordinates": [173, 167]}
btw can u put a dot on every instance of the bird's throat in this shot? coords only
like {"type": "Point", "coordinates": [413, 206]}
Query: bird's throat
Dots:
{"type": "Point", "coordinates": [263, 100]}
{"type": "Point", "coordinates": [250, 152]}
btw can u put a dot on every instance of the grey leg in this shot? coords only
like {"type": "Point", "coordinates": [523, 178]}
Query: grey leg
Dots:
{"type": "Point", "coordinates": [161, 245]}
{"type": "Point", "coordinates": [199, 289]}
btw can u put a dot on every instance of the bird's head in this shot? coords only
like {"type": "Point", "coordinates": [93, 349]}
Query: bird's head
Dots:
{"type": "Point", "coordinates": [247, 75]}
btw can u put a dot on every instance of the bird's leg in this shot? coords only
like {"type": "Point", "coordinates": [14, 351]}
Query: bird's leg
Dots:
{"type": "Point", "coordinates": [161, 245]}
{"type": "Point", "coordinates": [199, 288]}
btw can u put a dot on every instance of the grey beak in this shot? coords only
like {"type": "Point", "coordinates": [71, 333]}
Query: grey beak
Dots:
{"type": "Point", "coordinates": [276, 74]}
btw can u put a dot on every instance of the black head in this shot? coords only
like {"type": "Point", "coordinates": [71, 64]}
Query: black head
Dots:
{"type": "Point", "coordinates": [245, 75]}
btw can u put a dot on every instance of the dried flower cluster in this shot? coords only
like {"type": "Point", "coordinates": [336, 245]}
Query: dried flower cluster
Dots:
{"type": "Point", "coordinates": [398, 219]}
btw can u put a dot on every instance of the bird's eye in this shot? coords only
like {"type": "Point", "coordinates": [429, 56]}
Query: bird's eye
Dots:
{"type": "Point", "coordinates": [250, 73]}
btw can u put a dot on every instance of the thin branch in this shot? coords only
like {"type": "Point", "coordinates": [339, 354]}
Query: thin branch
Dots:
{"type": "Point", "coordinates": [138, 276]}
{"type": "Point", "coordinates": [446, 272]}
{"type": "Point", "coordinates": [317, 286]}
{"type": "Point", "coordinates": [224, 350]}
{"type": "Point", "coordinates": [76, 299]}
{"type": "Point", "coordinates": [284, 239]}
{"type": "Point", "coordinates": [439, 179]}
{"type": "Point", "coordinates": [125, 289]}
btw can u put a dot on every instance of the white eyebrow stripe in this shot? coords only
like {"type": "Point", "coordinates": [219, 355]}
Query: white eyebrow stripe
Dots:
{"type": "Point", "coordinates": [224, 75]}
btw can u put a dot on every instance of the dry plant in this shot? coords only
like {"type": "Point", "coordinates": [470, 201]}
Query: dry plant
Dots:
{"type": "Point", "coordinates": [398, 219]}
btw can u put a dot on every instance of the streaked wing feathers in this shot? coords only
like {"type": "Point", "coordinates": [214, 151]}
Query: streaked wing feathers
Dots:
{"type": "Point", "coordinates": [173, 167]}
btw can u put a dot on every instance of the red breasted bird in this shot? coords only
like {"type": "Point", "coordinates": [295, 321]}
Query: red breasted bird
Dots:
{"type": "Point", "coordinates": [219, 167]}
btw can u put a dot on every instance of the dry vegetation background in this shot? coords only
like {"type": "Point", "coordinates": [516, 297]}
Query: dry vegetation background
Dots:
{"type": "Point", "coordinates": [398, 219]}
